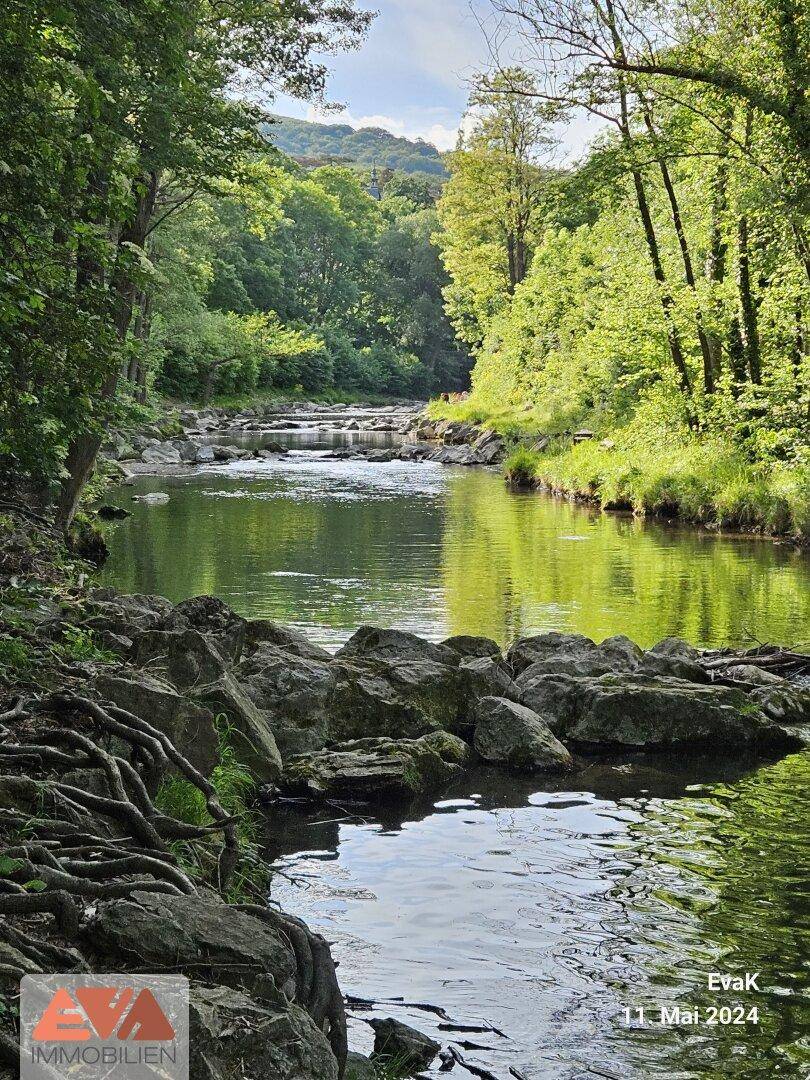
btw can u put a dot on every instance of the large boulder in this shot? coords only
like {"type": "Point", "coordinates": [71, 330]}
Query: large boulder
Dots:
{"type": "Point", "coordinates": [636, 711]}
{"type": "Point", "coordinates": [373, 643]}
{"type": "Point", "coordinates": [511, 734]}
{"type": "Point", "coordinates": [556, 653]}
{"type": "Point", "coordinates": [186, 658]}
{"type": "Point", "coordinates": [674, 658]}
{"type": "Point", "coordinates": [372, 768]}
{"type": "Point", "coordinates": [407, 1049]}
{"type": "Point", "coordinates": [293, 693]}
{"type": "Point", "coordinates": [200, 936]}
{"type": "Point", "coordinates": [472, 646]}
{"type": "Point", "coordinates": [213, 618]}
{"type": "Point", "coordinates": [232, 1035]}
{"type": "Point", "coordinates": [249, 734]}
{"type": "Point", "coordinates": [285, 638]}
{"type": "Point", "coordinates": [404, 699]}
{"type": "Point", "coordinates": [124, 614]}
{"type": "Point", "coordinates": [189, 726]}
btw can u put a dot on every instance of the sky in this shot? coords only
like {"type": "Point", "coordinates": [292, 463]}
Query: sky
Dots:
{"type": "Point", "coordinates": [412, 75]}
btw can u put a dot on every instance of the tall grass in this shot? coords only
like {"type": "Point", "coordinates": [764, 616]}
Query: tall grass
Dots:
{"type": "Point", "coordinates": [702, 481]}
{"type": "Point", "coordinates": [235, 788]}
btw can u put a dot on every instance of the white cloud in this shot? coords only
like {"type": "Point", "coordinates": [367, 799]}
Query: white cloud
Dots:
{"type": "Point", "coordinates": [443, 136]}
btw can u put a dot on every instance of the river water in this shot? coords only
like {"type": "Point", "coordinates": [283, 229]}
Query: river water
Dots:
{"type": "Point", "coordinates": [534, 909]}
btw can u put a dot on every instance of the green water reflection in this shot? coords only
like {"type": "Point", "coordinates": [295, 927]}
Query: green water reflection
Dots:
{"type": "Point", "coordinates": [329, 545]}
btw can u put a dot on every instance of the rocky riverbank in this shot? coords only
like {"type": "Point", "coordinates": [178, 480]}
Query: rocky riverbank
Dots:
{"type": "Point", "coordinates": [109, 702]}
{"type": "Point", "coordinates": [195, 437]}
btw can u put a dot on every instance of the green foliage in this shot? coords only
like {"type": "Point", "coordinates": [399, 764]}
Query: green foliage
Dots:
{"type": "Point", "coordinates": [15, 655]}
{"type": "Point", "coordinates": [81, 645]}
{"type": "Point", "coordinates": [235, 788]}
{"type": "Point", "coordinates": [703, 481]}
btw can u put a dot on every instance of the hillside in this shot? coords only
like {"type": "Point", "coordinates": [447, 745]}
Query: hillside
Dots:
{"type": "Point", "coordinates": [311, 142]}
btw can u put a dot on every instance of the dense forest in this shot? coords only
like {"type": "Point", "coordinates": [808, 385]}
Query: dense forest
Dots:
{"type": "Point", "coordinates": [156, 240]}
{"type": "Point", "coordinates": [302, 139]}
{"type": "Point", "coordinates": [656, 293]}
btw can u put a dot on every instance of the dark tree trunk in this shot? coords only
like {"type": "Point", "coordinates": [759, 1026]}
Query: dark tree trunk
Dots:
{"type": "Point", "coordinates": [717, 254]}
{"type": "Point", "coordinates": [83, 448]}
{"type": "Point", "coordinates": [686, 256]}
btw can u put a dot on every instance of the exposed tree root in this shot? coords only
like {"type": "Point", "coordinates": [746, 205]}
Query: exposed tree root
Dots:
{"type": "Point", "coordinates": [317, 988]}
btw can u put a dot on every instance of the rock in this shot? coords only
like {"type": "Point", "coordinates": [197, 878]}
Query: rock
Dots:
{"type": "Point", "coordinates": [368, 768]}
{"type": "Point", "coordinates": [383, 456]}
{"type": "Point", "coordinates": [161, 454]}
{"type": "Point", "coordinates": [232, 1035]}
{"type": "Point", "coordinates": [107, 512]}
{"type": "Point", "coordinates": [468, 645]}
{"type": "Point", "coordinates": [198, 935]}
{"type": "Point", "coordinates": [186, 657]}
{"type": "Point", "coordinates": [212, 617]}
{"type": "Point", "coordinates": [152, 498]}
{"type": "Point", "coordinates": [190, 727]}
{"type": "Point", "coordinates": [204, 455]}
{"type": "Point", "coordinates": [249, 734]}
{"type": "Point", "coordinates": [124, 614]}
{"type": "Point", "coordinates": [785, 703]}
{"type": "Point", "coordinates": [634, 710]}
{"type": "Point", "coordinates": [456, 455]}
{"type": "Point", "coordinates": [749, 673]}
{"type": "Point", "coordinates": [397, 1042]}
{"type": "Point", "coordinates": [516, 736]}
{"type": "Point", "coordinates": [287, 639]}
{"type": "Point", "coordinates": [555, 653]}
{"type": "Point", "coordinates": [403, 699]}
{"type": "Point", "coordinates": [373, 643]}
{"type": "Point", "coordinates": [674, 659]}
{"type": "Point", "coordinates": [293, 693]}
{"type": "Point", "coordinates": [359, 1067]}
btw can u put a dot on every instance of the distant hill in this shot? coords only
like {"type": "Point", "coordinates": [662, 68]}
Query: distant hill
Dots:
{"type": "Point", "coordinates": [317, 143]}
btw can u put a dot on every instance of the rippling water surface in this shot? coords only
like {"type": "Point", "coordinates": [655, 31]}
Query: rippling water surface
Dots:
{"type": "Point", "coordinates": [532, 911]}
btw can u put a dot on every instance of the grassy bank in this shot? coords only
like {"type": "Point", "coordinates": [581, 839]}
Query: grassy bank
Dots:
{"type": "Point", "coordinates": [704, 479]}
{"type": "Point", "coordinates": [706, 482]}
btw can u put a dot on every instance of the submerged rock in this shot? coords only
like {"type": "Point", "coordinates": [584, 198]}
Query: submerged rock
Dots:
{"type": "Point", "coordinates": [397, 1042]}
{"type": "Point", "coordinates": [373, 767]}
{"type": "Point", "coordinates": [513, 735]}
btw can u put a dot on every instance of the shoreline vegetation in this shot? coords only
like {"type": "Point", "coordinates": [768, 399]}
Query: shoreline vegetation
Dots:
{"type": "Point", "coordinates": [704, 481]}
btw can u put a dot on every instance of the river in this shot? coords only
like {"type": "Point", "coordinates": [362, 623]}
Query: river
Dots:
{"type": "Point", "coordinates": [537, 910]}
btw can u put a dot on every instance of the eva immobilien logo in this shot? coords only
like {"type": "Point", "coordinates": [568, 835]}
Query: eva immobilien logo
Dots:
{"type": "Point", "coordinates": [94, 1027]}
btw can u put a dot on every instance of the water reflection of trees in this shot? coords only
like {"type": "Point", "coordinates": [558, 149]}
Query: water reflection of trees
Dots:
{"type": "Point", "coordinates": [514, 561]}
{"type": "Point", "coordinates": [720, 884]}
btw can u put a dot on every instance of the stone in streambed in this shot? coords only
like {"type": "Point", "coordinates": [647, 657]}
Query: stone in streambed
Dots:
{"type": "Point", "coordinates": [368, 768]}
{"type": "Point", "coordinates": [397, 1042]}
{"type": "Point", "coordinates": [513, 735]}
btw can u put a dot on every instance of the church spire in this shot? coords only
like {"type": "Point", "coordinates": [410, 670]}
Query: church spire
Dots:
{"type": "Point", "coordinates": [374, 186]}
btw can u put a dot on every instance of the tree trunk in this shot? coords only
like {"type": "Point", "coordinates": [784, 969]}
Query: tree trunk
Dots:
{"type": "Point", "coordinates": [686, 256]}
{"type": "Point", "coordinates": [716, 256]}
{"type": "Point", "coordinates": [667, 302]}
{"type": "Point", "coordinates": [749, 316]}
{"type": "Point", "coordinates": [83, 448]}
